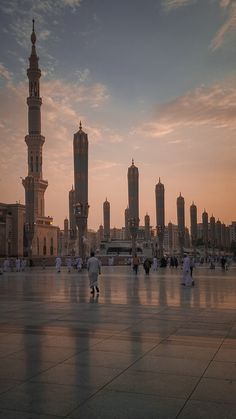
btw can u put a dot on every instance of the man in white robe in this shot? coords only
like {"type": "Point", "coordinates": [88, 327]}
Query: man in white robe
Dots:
{"type": "Point", "coordinates": [6, 265]}
{"type": "Point", "coordinates": [69, 263]}
{"type": "Point", "coordinates": [94, 269]}
{"type": "Point", "coordinates": [155, 264]}
{"type": "Point", "coordinates": [58, 264]}
{"type": "Point", "coordinates": [187, 279]}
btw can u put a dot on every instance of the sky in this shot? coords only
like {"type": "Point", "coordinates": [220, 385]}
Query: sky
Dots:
{"type": "Point", "coordinates": [151, 80]}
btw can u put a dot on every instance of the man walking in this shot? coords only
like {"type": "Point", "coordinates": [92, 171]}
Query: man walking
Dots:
{"type": "Point", "coordinates": [94, 269]}
{"type": "Point", "coordinates": [187, 280]}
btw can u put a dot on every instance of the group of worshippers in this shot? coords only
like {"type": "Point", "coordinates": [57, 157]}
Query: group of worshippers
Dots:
{"type": "Point", "coordinates": [76, 263]}
{"type": "Point", "coordinates": [18, 263]}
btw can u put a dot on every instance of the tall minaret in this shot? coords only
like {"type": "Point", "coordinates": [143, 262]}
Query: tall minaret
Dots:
{"type": "Point", "coordinates": [181, 222]}
{"type": "Point", "coordinates": [34, 184]}
{"type": "Point", "coordinates": [213, 232]}
{"type": "Point", "coordinates": [205, 231]}
{"type": "Point", "coordinates": [193, 225]}
{"type": "Point", "coordinates": [133, 197]}
{"type": "Point", "coordinates": [106, 219]}
{"type": "Point", "coordinates": [81, 186]}
{"type": "Point", "coordinates": [160, 214]}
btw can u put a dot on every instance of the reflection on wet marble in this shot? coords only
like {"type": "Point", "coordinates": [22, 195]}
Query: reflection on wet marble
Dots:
{"type": "Point", "coordinates": [144, 348]}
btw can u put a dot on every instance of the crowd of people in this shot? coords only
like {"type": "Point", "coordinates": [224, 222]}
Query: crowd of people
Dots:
{"type": "Point", "coordinates": [93, 266]}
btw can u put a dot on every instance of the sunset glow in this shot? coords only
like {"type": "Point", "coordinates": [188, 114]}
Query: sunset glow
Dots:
{"type": "Point", "coordinates": [154, 81]}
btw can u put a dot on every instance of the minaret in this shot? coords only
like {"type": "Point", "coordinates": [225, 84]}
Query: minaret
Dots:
{"type": "Point", "coordinates": [81, 186]}
{"type": "Point", "coordinates": [181, 222]}
{"type": "Point", "coordinates": [213, 232]}
{"type": "Point", "coordinates": [193, 225]}
{"type": "Point", "coordinates": [218, 234]}
{"type": "Point", "coordinates": [106, 219]}
{"type": "Point", "coordinates": [205, 231]}
{"type": "Point", "coordinates": [160, 214]}
{"type": "Point", "coordinates": [34, 184]}
{"type": "Point", "coordinates": [133, 196]}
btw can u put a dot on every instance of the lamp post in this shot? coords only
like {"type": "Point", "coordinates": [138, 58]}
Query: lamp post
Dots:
{"type": "Point", "coordinates": [81, 216]}
{"type": "Point", "coordinates": [160, 235]}
{"type": "Point", "coordinates": [133, 228]}
{"type": "Point", "coordinates": [29, 231]}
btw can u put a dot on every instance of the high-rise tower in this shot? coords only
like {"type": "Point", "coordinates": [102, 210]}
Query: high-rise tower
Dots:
{"type": "Point", "coordinates": [160, 214]}
{"type": "Point", "coordinates": [81, 186]}
{"type": "Point", "coordinates": [133, 196]}
{"type": "Point", "coordinates": [106, 219]}
{"type": "Point", "coordinates": [193, 225]}
{"type": "Point", "coordinates": [34, 184]}
{"type": "Point", "coordinates": [181, 222]}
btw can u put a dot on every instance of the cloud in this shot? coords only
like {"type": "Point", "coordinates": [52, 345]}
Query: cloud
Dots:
{"type": "Point", "coordinates": [214, 106]}
{"type": "Point", "coordinates": [228, 27]}
{"type": "Point", "coordinates": [169, 5]}
{"type": "Point", "coordinates": [22, 12]}
{"type": "Point", "coordinates": [225, 3]}
{"type": "Point", "coordinates": [82, 75]}
{"type": "Point", "coordinates": [63, 107]}
{"type": "Point", "coordinates": [4, 72]}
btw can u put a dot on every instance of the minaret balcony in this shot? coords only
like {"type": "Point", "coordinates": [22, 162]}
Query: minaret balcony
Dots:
{"type": "Point", "coordinates": [34, 139]}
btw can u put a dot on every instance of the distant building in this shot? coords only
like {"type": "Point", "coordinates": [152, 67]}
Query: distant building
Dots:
{"type": "Point", "coordinates": [232, 231]}
{"type": "Point", "coordinates": [12, 220]}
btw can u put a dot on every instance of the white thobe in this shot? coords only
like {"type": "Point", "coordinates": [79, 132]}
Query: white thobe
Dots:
{"type": "Point", "coordinates": [187, 280]}
{"type": "Point", "coordinates": [58, 264]}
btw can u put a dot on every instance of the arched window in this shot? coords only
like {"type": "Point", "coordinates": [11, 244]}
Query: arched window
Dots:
{"type": "Point", "coordinates": [31, 164]}
{"type": "Point", "coordinates": [37, 163]}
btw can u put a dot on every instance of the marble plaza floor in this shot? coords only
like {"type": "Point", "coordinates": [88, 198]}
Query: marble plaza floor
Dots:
{"type": "Point", "coordinates": [145, 348]}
